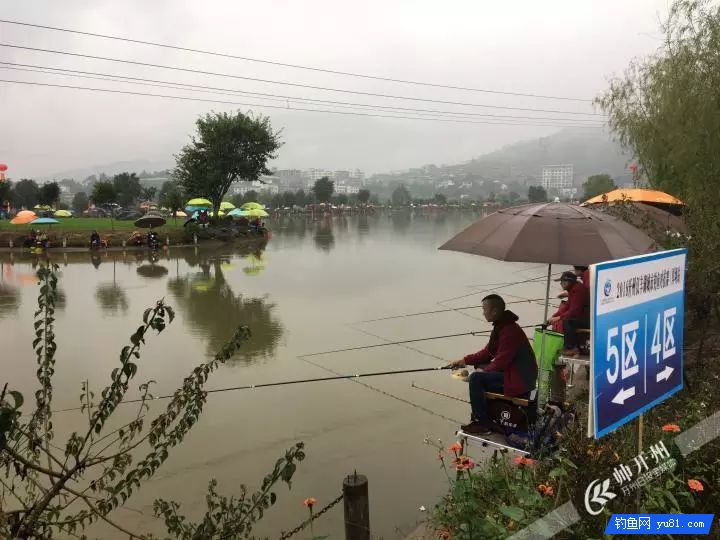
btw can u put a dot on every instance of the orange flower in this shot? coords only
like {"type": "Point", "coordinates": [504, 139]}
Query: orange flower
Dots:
{"type": "Point", "coordinates": [546, 490]}
{"type": "Point", "coordinates": [671, 427]}
{"type": "Point", "coordinates": [522, 460]}
{"type": "Point", "coordinates": [463, 463]}
{"type": "Point", "coordinates": [455, 448]}
{"type": "Point", "coordinates": [310, 502]}
{"type": "Point", "coordinates": [695, 485]}
{"type": "Point", "coordinates": [444, 535]}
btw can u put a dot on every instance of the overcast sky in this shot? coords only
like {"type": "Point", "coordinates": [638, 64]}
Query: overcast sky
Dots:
{"type": "Point", "coordinates": [558, 48]}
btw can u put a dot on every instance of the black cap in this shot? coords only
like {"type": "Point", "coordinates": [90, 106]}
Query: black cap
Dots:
{"type": "Point", "coordinates": [568, 276]}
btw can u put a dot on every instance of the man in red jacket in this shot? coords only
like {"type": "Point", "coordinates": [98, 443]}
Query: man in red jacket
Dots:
{"type": "Point", "coordinates": [506, 365]}
{"type": "Point", "coordinates": [576, 313]}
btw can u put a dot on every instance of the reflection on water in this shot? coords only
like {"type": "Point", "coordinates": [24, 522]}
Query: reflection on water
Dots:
{"type": "Point", "coordinates": [324, 238]}
{"type": "Point", "coordinates": [110, 296]}
{"type": "Point", "coordinates": [401, 220]}
{"type": "Point", "coordinates": [208, 302]}
{"type": "Point", "coordinates": [9, 299]}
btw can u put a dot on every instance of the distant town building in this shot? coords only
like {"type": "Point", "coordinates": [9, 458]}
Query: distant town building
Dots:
{"type": "Point", "coordinates": [560, 179]}
{"type": "Point", "coordinates": [241, 188]}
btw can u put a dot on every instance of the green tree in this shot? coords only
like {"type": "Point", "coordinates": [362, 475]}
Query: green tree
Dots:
{"type": "Point", "coordinates": [537, 194]}
{"type": "Point", "coordinates": [597, 185]}
{"type": "Point", "coordinates": [323, 189]}
{"type": "Point", "coordinates": [26, 193]}
{"type": "Point", "coordinates": [171, 196]}
{"type": "Point", "coordinates": [341, 198]}
{"type": "Point", "coordinates": [149, 193]}
{"type": "Point", "coordinates": [288, 199]}
{"type": "Point", "coordinates": [80, 201]}
{"type": "Point", "coordinates": [300, 198]}
{"type": "Point", "coordinates": [439, 198]}
{"type": "Point", "coordinates": [401, 196]}
{"type": "Point", "coordinates": [363, 196]}
{"type": "Point", "coordinates": [49, 193]}
{"type": "Point", "coordinates": [127, 189]}
{"type": "Point", "coordinates": [227, 148]}
{"type": "Point", "coordinates": [103, 193]}
{"type": "Point", "coordinates": [6, 189]}
{"type": "Point", "coordinates": [666, 111]}
{"type": "Point", "coordinates": [250, 196]}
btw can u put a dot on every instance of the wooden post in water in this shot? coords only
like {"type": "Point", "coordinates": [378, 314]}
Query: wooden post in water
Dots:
{"type": "Point", "coordinates": [357, 507]}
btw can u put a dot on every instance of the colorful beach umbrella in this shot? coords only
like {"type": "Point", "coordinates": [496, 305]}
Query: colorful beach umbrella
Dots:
{"type": "Point", "coordinates": [256, 213]}
{"type": "Point", "coordinates": [199, 202]}
{"type": "Point", "coordinates": [42, 207]}
{"type": "Point", "coordinates": [238, 212]}
{"type": "Point", "coordinates": [62, 213]}
{"type": "Point", "coordinates": [44, 221]}
{"type": "Point", "coordinates": [252, 206]}
{"type": "Point", "coordinates": [24, 217]}
{"type": "Point", "coordinates": [648, 196]}
{"type": "Point", "coordinates": [226, 205]}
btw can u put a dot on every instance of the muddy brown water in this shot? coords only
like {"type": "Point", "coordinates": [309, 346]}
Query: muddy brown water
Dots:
{"type": "Point", "coordinates": [304, 293]}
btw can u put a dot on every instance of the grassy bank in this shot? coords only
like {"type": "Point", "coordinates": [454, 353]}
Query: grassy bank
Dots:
{"type": "Point", "coordinates": [102, 225]}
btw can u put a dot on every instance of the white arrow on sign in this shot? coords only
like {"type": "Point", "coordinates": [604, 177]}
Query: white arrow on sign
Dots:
{"type": "Point", "coordinates": [664, 375]}
{"type": "Point", "coordinates": [624, 394]}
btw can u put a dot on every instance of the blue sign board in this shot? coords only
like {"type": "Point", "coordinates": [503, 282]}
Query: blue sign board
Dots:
{"type": "Point", "coordinates": [636, 336]}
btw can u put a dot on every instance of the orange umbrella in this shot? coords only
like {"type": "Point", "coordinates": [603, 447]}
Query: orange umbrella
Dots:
{"type": "Point", "coordinates": [649, 196]}
{"type": "Point", "coordinates": [23, 217]}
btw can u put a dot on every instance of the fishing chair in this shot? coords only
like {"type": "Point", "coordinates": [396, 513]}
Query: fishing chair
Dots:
{"type": "Point", "coordinates": [511, 415]}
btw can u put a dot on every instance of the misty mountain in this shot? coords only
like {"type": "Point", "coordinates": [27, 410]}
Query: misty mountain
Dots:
{"type": "Point", "coordinates": [110, 169]}
{"type": "Point", "coordinates": [589, 151]}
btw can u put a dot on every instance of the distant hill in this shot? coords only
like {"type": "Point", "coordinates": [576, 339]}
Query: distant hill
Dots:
{"type": "Point", "coordinates": [110, 169]}
{"type": "Point", "coordinates": [590, 151]}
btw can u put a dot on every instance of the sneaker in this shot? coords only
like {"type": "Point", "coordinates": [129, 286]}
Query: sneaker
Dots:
{"type": "Point", "coordinates": [476, 428]}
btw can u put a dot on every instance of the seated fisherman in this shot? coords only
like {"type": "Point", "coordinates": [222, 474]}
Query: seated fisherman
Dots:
{"type": "Point", "coordinates": [576, 313]}
{"type": "Point", "coordinates": [583, 273]}
{"type": "Point", "coordinates": [506, 365]}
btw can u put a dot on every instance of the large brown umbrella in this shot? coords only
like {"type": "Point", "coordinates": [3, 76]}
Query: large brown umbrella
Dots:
{"type": "Point", "coordinates": [655, 221]}
{"type": "Point", "coordinates": [553, 233]}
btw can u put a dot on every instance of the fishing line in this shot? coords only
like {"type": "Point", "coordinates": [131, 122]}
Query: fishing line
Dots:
{"type": "Point", "coordinates": [413, 385]}
{"type": "Point", "coordinates": [443, 311]}
{"type": "Point", "coordinates": [497, 288]}
{"type": "Point", "coordinates": [388, 394]}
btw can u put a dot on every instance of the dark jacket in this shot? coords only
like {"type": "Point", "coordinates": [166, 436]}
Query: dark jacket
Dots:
{"type": "Point", "coordinates": [509, 352]}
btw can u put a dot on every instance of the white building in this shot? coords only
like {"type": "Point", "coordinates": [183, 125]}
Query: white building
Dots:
{"type": "Point", "coordinates": [346, 189]}
{"type": "Point", "coordinates": [558, 177]}
{"type": "Point", "coordinates": [241, 188]}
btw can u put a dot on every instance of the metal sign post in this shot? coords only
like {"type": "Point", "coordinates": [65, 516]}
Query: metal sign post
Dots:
{"type": "Point", "coordinates": [636, 336]}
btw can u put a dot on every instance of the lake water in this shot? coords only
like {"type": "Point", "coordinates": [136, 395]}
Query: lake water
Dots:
{"type": "Point", "coordinates": [305, 293]}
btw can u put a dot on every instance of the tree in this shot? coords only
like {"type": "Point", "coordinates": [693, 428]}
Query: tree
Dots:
{"type": "Point", "coordinates": [6, 193]}
{"type": "Point", "coordinates": [171, 196]}
{"type": "Point", "coordinates": [537, 194]}
{"type": "Point", "coordinates": [341, 198]}
{"type": "Point", "coordinates": [104, 463]}
{"type": "Point", "coordinates": [513, 197]}
{"type": "Point", "coordinates": [288, 199]}
{"type": "Point", "coordinates": [439, 198]}
{"type": "Point", "coordinates": [250, 196]}
{"type": "Point", "coordinates": [363, 196]}
{"type": "Point", "coordinates": [323, 189]}
{"type": "Point", "coordinates": [597, 185]}
{"type": "Point", "coordinates": [228, 148]}
{"type": "Point", "coordinates": [300, 198]}
{"type": "Point", "coordinates": [26, 193]}
{"type": "Point", "coordinates": [665, 110]}
{"type": "Point", "coordinates": [49, 193]}
{"type": "Point", "coordinates": [127, 188]}
{"type": "Point", "coordinates": [149, 193]}
{"type": "Point", "coordinates": [103, 193]}
{"type": "Point", "coordinates": [80, 201]}
{"type": "Point", "coordinates": [401, 196]}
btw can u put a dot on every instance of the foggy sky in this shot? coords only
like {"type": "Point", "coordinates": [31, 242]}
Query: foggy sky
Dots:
{"type": "Point", "coordinates": [563, 47]}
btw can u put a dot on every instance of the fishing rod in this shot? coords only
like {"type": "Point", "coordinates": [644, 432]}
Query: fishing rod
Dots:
{"type": "Point", "coordinates": [476, 333]}
{"type": "Point", "coordinates": [285, 383]}
{"type": "Point", "coordinates": [531, 280]}
{"type": "Point", "coordinates": [528, 300]}
{"type": "Point", "coordinates": [413, 385]}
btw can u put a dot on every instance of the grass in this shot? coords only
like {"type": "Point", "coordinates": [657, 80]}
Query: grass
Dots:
{"type": "Point", "coordinates": [102, 225]}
